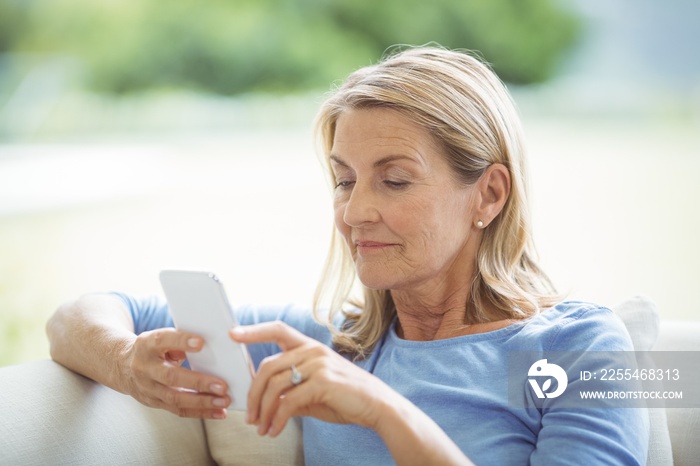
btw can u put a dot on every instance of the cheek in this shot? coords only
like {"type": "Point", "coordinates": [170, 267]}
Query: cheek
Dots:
{"type": "Point", "coordinates": [414, 218]}
{"type": "Point", "coordinates": [433, 227]}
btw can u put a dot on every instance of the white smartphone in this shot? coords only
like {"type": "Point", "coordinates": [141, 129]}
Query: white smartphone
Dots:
{"type": "Point", "coordinates": [198, 304]}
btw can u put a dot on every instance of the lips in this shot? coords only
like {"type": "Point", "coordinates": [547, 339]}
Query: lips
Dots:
{"type": "Point", "coordinates": [369, 246]}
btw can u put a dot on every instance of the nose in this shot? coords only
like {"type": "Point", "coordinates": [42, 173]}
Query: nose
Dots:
{"type": "Point", "coordinates": [362, 206]}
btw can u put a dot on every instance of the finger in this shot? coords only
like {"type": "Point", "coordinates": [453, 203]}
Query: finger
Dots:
{"type": "Point", "coordinates": [277, 386]}
{"type": "Point", "coordinates": [176, 356]}
{"type": "Point", "coordinates": [293, 404]}
{"type": "Point", "coordinates": [174, 376]}
{"type": "Point", "coordinates": [273, 378]}
{"type": "Point", "coordinates": [156, 395]}
{"type": "Point", "coordinates": [218, 414]}
{"type": "Point", "coordinates": [278, 332]}
{"type": "Point", "coordinates": [258, 387]}
{"type": "Point", "coordinates": [180, 401]}
{"type": "Point", "coordinates": [170, 346]}
{"type": "Point", "coordinates": [170, 339]}
{"type": "Point", "coordinates": [196, 413]}
{"type": "Point", "coordinates": [283, 413]}
{"type": "Point", "coordinates": [305, 359]}
{"type": "Point", "coordinates": [296, 398]}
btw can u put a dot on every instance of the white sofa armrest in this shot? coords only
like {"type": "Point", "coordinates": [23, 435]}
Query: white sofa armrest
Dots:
{"type": "Point", "coordinates": [683, 424]}
{"type": "Point", "coordinates": [50, 415]}
{"type": "Point", "coordinates": [678, 335]}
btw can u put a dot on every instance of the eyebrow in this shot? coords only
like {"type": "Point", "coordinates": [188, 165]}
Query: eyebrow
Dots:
{"type": "Point", "coordinates": [378, 163]}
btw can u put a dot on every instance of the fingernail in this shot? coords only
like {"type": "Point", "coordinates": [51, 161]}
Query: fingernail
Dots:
{"type": "Point", "coordinates": [193, 342]}
{"type": "Point", "coordinates": [220, 402]}
{"type": "Point", "coordinates": [217, 388]}
{"type": "Point", "coordinates": [238, 330]}
{"type": "Point", "coordinates": [219, 415]}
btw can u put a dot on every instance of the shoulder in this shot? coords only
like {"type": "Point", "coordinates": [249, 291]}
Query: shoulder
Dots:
{"type": "Point", "coordinates": [578, 326]}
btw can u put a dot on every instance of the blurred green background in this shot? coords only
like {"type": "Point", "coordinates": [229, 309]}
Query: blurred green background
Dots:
{"type": "Point", "coordinates": [232, 47]}
{"type": "Point", "coordinates": [141, 135]}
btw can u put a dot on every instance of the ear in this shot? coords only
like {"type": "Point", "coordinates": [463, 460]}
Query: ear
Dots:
{"type": "Point", "coordinates": [492, 191]}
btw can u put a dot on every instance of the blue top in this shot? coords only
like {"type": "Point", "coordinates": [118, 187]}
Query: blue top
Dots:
{"type": "Point", "coordinates": [462, 384]}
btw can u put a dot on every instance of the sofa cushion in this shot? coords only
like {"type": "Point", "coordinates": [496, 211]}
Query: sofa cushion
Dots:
{"type": "Point", "coordinates": [683, 424]}
{"type": "Point", "coordinates": [50, 415]}
{"type": "Point", "coordinates": [678, 335]}
{"type": "Point", "coordinates": [233, 442]}
{"type": "Point", "coordinates": [641, 318]}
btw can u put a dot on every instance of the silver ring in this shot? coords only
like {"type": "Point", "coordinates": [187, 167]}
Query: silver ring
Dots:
{"type": "Point", "coordinates": [296, 375]}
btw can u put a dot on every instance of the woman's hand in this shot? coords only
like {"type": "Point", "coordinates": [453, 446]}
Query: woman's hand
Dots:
{"type": "Point", "coordinates": [331, 388]}
{"type": "Point", "coordinates": [152, 367]}
{"type": "Point", "coordinates": [94, 336]}
{"type": "Point", "coordinates": [335, 390]}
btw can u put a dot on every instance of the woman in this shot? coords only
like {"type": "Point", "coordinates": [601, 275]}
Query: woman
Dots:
{"type": "Point", "coordinates": [425, 153]}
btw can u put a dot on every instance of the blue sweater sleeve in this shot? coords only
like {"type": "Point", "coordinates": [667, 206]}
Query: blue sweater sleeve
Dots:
{"type": "Point", "coordinates": [591, 435]}
{"type": "Point", "coordinates": [148, 313]}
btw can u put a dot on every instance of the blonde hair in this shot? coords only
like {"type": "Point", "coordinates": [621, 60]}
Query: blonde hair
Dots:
{"type": "Point", "coordinates": [467, 108]}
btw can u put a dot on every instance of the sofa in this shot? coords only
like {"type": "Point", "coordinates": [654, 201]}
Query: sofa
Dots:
{"type": "Point", "coordinates": [50, 415]}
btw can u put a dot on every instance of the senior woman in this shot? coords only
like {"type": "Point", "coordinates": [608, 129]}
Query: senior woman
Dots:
{"type": "Point", "coordinates": [426, 155]}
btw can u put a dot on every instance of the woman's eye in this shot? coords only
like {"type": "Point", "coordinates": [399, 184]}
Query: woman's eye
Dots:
{"type": "Point", "coordinates": [343, 184]}
{"type": "Point", "coordinates": [396, 184]}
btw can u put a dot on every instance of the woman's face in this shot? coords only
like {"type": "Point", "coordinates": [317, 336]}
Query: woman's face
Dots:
{"type": "Point", "coordinates": [407, 221]}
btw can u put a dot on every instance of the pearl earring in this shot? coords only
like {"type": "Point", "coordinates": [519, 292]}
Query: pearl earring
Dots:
{"type": "Point", "coordinates": [480, 224]}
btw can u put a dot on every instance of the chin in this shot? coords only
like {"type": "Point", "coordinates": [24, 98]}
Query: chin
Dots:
{"type": "Point", "coordinates": [374, 286]}
{"type": "Point", "coordinates": [375, 280]}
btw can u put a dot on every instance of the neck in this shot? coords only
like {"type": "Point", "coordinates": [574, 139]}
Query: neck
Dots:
{"type": "Point", "coordinates": [434, 316]}
{"type": "Point", "coordinates": [438, 316]}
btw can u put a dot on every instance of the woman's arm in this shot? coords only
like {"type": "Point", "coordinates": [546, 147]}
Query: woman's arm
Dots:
{"type": "Point", "coordinates": [335, 390]}
{"type": "Point", "coordinates": [578, 431]}
{"type": "Point", "coordinates": [94, 336]}
{"type": "Point", "coordinates": [414, 438]}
